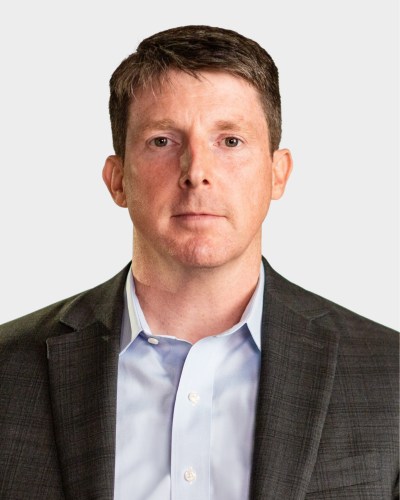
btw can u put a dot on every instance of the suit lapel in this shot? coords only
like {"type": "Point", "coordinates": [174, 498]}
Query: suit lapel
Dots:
{"type": "Point", "coordinates": [298, 364]}
{"type": "Point", "coordinates": [83, 368]}
{"type": "Point", "coordinates": [297, 371]}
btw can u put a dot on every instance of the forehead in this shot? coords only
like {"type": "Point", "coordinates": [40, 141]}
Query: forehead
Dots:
{"type": "Point", "coordinates": [207, 94]}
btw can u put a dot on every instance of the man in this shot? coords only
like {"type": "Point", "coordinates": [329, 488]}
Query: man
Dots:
{"type": "Point", "coordinates": [197, 372]}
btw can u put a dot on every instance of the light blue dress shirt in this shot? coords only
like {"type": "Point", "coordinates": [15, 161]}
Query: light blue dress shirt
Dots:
{"type": "Point", "coordinates": [185, 413]}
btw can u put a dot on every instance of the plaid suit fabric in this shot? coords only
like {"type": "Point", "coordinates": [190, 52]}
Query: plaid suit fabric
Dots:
{"type": "Point", "coordinates": [327, 412]}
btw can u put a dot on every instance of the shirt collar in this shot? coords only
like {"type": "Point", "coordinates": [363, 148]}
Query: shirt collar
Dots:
{"type": "Point", "coordinates": [135, 322]}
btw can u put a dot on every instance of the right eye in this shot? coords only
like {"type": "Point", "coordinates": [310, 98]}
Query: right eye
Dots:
{"type": "Point", "coordinates": [160, 142]}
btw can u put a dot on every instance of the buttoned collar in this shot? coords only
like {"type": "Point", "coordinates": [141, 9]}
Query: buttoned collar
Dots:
{"type": "Point", "coordinates": [134, 321]}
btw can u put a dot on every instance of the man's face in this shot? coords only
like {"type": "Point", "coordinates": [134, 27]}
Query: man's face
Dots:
{"type": "Point", "coordinates": [198, 175]}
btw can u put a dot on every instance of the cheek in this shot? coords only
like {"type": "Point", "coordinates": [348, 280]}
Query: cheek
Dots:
{"type": "Point", "coordinates": [256, 178]}
{"type": "Point", "coordinates": [259, 191]}
{"type": "Point", "coordinates": [147, 193]}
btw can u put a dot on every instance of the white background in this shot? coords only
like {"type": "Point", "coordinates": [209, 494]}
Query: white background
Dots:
{"type": "Point", "coordinates": [334, 232]}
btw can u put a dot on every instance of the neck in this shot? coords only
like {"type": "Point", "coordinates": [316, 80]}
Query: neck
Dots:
{"type": "Point", "coordinates": [194, 303]}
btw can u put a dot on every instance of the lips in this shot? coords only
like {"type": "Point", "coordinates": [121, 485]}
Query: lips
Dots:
{"type": "Point", "coordinates": [193, 219]}
{"type": "Point", "coordinates": [195, 215]}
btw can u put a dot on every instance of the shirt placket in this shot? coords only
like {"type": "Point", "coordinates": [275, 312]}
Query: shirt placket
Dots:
{"type": "Point", "coordinates": [191, 426]}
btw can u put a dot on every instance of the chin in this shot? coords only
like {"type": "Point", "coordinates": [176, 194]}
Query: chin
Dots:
{"type": "Point", "coordinates": [201, 254]}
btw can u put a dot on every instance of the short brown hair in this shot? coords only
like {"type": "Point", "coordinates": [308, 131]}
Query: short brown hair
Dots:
{"type": "Point", "coordinates": [193, 49]}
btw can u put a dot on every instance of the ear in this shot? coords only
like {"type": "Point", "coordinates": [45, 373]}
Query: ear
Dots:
{"type": "Point", "coordinates": [113, 174]}
{"type": "Point", "coordinates": [282, 165]}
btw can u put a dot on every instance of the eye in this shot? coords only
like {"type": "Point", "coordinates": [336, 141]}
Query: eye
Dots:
{"type": "Point", "coordinates": [231, 142]}
{"type": "Point", "coordinates": [160, 142]}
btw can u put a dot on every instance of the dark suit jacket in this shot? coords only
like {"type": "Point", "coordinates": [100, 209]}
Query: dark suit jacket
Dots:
{"type": "Point", "coordinates": [326, 424]}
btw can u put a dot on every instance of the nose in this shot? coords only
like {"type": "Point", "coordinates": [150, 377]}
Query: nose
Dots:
{"type": "Point", "coordinates": [196, 166]}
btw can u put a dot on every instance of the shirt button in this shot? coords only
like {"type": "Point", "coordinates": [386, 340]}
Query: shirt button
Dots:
{"type": "Point", "coordinates": [194, 398]}
{"type": "Point", "coordinates": [190, 475]}
{"type": "Point", "coordinates": [153, 341]}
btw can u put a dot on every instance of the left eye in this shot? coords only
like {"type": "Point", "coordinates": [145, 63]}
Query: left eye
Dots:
{"type": "Point", "coordinates": [231, 142]}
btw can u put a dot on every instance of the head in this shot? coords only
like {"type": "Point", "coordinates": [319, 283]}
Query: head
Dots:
{"type": "Point", "coordinates": [193, 49]}
{"type": "Point", "coordinates": [196, 125]}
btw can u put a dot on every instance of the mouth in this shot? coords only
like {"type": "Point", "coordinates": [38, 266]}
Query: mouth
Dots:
{"type": "Point", "coordinates": [196, 217]}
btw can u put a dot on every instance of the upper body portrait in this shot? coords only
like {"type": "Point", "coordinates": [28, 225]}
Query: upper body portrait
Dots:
{"type": "Point", "coordinates": [197, 372]}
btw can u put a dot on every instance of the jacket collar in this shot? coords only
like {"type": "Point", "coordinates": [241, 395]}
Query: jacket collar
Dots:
{"type": "Point", "coordinates": [298, 360]}
{"type": "Point", "coordinates": [83, 368]}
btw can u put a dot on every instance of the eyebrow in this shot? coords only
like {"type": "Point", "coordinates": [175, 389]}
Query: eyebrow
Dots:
{"type": "Point", "coordinates": [239, 124]}
{"type": "Point", "coordinates": [159, 124]}
{"type": "Point", "coordinates": [230, 125]}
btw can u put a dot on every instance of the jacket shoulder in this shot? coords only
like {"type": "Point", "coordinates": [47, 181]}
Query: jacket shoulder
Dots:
{"type": "Point", "coordinates": [30, 326]}
{"type": "Point", "coordinates": [311, 305]}
{"type": "Point", "coordinates": [63, 316]}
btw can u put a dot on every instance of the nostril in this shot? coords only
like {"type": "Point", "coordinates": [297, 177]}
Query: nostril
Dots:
{"type": "Point", "coordinates": [192, 181]}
